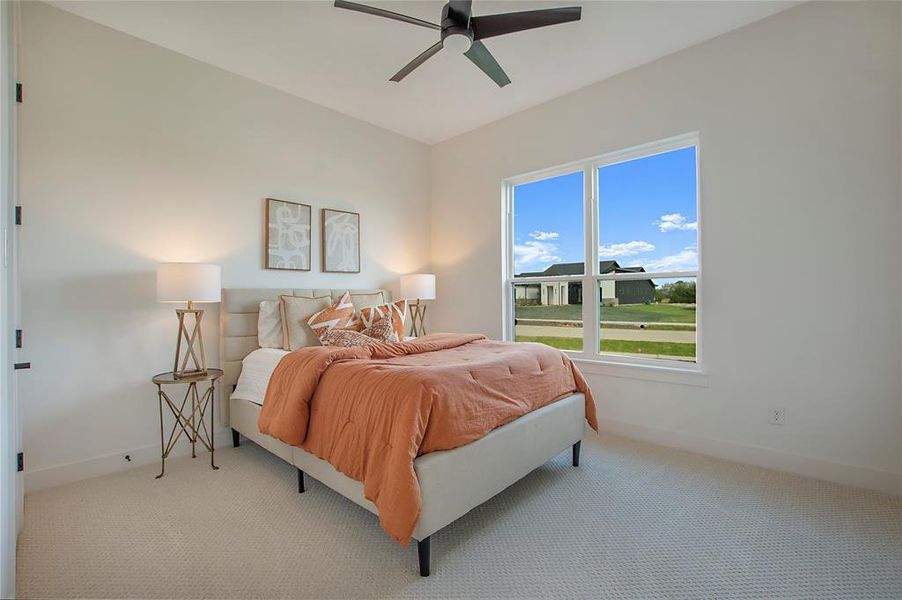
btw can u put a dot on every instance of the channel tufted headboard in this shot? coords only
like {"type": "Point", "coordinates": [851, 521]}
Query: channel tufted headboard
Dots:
{"type": "Point", "coordinates": [238, 314]}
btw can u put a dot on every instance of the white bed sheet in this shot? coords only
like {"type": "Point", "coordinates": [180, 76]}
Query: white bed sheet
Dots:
{"type": "Point", "coordinates": [256, 369]}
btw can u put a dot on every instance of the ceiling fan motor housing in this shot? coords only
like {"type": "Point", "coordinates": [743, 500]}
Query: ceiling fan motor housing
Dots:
{"type": "Point", "coordinates": [456, 33]}
{"type": "Point", "coordinates": [455, 16]}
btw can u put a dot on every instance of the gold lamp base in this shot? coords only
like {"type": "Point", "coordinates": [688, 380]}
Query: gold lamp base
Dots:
{"type": "Point", "coordinates": [417, 319]}
{"type": "Point", "coordinates": [194, 341]}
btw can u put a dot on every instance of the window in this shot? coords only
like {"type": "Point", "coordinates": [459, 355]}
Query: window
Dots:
{"type": "Point", "coordinates": [632, 216]}
{"type": "Point", "coordinates": [548, 249]}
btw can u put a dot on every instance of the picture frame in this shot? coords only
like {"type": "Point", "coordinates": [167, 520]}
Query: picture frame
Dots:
{"type": "Point", "coordinates": [340, 236]}
{"type": "Point", "coordinates": [288, 235]}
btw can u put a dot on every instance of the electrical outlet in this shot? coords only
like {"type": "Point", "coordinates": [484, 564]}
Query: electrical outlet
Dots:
{"type": "Point", "coordinates": [777, 415]}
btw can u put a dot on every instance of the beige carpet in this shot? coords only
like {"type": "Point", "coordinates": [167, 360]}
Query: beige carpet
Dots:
{"type": "Point", "coordinates": [634, 521]}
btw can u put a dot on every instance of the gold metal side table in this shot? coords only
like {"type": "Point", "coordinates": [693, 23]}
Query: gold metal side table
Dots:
{"type": "Point", "coordinates": [190, 423]}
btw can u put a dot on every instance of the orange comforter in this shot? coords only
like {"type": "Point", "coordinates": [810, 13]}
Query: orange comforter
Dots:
{"type": "Point", "coordinates": [371, 411]}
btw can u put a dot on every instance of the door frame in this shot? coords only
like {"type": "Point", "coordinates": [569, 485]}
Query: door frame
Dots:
{"type": "Point", "coordinates": [11, 480]}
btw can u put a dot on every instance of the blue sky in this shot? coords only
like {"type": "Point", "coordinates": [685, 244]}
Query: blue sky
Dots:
{"type": "Point", "coordinates": [647, 216]}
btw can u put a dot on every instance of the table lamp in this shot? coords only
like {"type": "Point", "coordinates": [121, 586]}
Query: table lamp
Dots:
{"type": "Point", "coordinates": [418, 286]}
{"type": "Point", "coordinates": [190, 283]}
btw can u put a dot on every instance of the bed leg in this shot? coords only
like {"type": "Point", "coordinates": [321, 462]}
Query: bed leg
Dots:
{"type": "Point", "coordinates": [300, 482]}
{"type": "Point", "coordinates": [423, 555]}
{"type": "Point", "coordinates": [576, 453]}
{"type": "Point", "coordinates": [236, 439]}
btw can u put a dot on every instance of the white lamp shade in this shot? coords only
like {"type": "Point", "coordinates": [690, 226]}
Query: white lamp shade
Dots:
{"type": "Point", "coordinates": [189, 282]}
{"type": "Point", "coordinates": [418, 286]}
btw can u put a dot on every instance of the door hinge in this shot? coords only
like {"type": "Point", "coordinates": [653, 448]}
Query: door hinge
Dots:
{"type": "Point", "coordinates": [18, 338]}
{"type": "Point", "coordinates": [20, 462]}
{"type": "Point", "coordinates": [19, 366]}
{"type": "Point", "coordinates": [18, 92]}
{"type": "Point", "coordinates": [18, 215]}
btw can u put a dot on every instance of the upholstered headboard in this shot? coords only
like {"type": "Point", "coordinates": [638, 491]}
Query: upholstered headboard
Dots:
{"type": "Point", "coordinates": [238, 314]}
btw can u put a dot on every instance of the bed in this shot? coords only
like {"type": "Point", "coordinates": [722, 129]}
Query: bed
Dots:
{"type": "Point", "coordinates": [452, 482]}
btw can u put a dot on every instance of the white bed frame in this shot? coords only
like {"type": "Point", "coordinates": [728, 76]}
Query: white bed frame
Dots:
{"type": "Point", "coordinates": [452, 482]}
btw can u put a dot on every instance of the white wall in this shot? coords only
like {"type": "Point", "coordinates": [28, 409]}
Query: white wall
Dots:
{"type": "Point", "coordinates": [134, 155]}
{"type": "Point", "coordinates": [800, 152]}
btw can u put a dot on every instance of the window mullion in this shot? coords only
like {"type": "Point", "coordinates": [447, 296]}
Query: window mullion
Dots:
{"type": "Point", "coordinates": [590, 289]}
{"type": "Point", "coordinates": [507, 293]}
{"type": "Point", "coordinates": [639, 275]}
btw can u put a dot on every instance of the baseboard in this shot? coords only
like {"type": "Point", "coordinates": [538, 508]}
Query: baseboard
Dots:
{"type": "Point", "coordinates": [111, 463]}
{"type": "Point", "coordinates": [854, 475]}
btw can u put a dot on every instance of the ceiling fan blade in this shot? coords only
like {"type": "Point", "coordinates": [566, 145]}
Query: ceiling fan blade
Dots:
{"type": "Point", "coordinates": [492, 25]}
{"type": "Point", "coordinates": [379, 12]}
{"type": "Point", "coordinates": [460, 10]}
{"type": "Point", "coordinates": [483, 59]}
{"type": "Point", "coordinates": [417, 62]}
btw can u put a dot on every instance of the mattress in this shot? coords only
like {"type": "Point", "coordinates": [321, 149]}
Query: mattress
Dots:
{"type": "Point", "coordinates": [256, 369]}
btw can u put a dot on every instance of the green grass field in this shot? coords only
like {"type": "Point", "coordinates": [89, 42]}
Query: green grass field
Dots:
{"type": "Point", "coordinates": [619, 346]}
{"type": "Point", "coordinates": [659, 313]}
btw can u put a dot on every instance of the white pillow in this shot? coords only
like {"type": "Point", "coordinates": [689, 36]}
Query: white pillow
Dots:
{"type": "Point", "coordinates": [269, 325]}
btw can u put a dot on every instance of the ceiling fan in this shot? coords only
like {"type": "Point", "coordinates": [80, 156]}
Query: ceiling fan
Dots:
{"type": "Point", "coordinates": [461, 32]}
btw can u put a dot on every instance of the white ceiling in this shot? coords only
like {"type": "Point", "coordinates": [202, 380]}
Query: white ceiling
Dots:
{"type": "Point", "coordinates": [343, 59]}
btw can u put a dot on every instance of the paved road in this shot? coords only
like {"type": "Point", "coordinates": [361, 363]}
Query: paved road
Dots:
{"type": "Point", "coordinates": [613, 324]}
{"type": "Point", "coordinates": [645, 335]}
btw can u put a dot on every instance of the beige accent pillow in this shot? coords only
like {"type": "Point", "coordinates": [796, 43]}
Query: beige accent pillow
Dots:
{"type": "Point", "coordinates": [269, 325]}
{"type": "Point", "coordinates": [295, 312]}
{"type": "Point", "coordinates": [367, 299]}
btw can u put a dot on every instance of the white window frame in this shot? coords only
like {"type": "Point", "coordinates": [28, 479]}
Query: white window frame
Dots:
{"type": "Point", "coordinates": [591, 278]}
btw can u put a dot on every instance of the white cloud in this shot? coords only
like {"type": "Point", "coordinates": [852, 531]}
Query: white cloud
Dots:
{"type": "Point", "coordinates": [625, 249]}
{"type": "Point", "coordinates": [535, 251]}
{"type": "Point", "coordinates": [675, 222]}
{"type": "Point", "coordinates": [538, 249]}
{"type": "Point", "coordinates": [685, 260]}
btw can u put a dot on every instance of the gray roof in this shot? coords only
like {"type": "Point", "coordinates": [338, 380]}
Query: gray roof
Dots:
{"type": "Point", "coordinates": [576, 268]}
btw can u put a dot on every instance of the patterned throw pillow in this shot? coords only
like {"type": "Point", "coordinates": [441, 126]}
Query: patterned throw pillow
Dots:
{"type": "Point", "coordinates": [340, 315]}
{"type": "Point", "coordinates": [378, 333]}
{"type": "Point", "coordinates": [346, 338]}
{"type": "Point", "coordinates": [396, 312]}
{"type": "Point", "coordinates": [382, 330]}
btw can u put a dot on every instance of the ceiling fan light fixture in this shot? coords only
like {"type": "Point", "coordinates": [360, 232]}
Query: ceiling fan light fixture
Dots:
{"type": "Point", "coordinates": [458, 43]}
